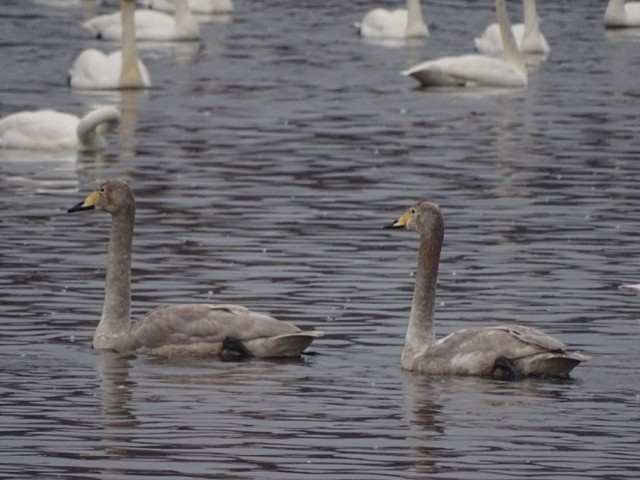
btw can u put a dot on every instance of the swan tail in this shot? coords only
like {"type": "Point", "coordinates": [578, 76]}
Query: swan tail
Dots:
{"type": "Point", "coordinates": [550, 364]}
{"type": "Point", "coordinates": [94, 124]}
{"type": "Point", "coordinates": [287, 345]}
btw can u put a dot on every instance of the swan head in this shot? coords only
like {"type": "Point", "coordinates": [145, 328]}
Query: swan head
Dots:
{"type": "Point", "coordinates": [423, 217]}
{"type": "Point", "coordinates": [113, 196]}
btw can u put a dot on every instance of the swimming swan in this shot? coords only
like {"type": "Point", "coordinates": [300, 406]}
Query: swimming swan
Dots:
{"type": "Point", "coordinates": [528, 36]}
{"type": "Point", "coordinates": [503, 351]}
{"type": "Point", "coordinates": [122, 69]}
{"type": "Point", "coordinates": [51, 130]}
{"type": "Point", "coordinates": [150, 25]}
{"type": "Point", "coordinates": [176, 330]}
{"type": "Point", "coordinates": [196, 6]}
{"type": "Point", "coordinates": [400, 23]}
{"type": "Point", "coordinates": [474, 69]}
{"type": "Point", "coordinates": [621, 15]}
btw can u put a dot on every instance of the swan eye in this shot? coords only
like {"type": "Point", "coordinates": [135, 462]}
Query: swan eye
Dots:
{"type": "Point", "coordinates": [413, 211]}
{"type": "Point", "coordinates": [102, 189]}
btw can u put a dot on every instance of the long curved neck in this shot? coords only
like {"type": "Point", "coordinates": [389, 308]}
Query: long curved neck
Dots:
{"type": "Point", "coordinates": [421, 332]}
{"type": "Point", "coordinates": [130, 75]}
{"type": "Point", "coordinates": [415, 23]}
{"type": "Point", "coordinates": [531, 22]}
{"type": "Point", "coordinates": [116, 313]}
{"type": "Point", "coordinates": [511, 52]}
{"type": "Point", "coordinates": [88, 130]}
{"type": "Point", "coordinates": [185, 22]}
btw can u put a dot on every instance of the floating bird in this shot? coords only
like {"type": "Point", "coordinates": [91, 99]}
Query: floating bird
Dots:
{"type": "Point", "coordinates": [504, 351]}
{"type": "Point", "coordinates": [230, 331]}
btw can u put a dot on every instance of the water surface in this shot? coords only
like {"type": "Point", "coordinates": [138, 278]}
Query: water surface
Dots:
{"type": "Point", "coordinates": [265, 161]}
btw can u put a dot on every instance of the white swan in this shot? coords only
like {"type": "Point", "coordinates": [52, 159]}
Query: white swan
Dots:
{"type": "Point", "coordinates": [150, 25]}
{"type": "Point", "coordinates": [394, 24]}
{"type": "Point", "coordinates": [175, 330]}
{"type": "Point", "coordinates": [121, 69]}
{"type": "Point", "coordinates": [51, 130]}
{"type": "Point", "coordinates": [474, 69]}
{"type": "Point", "coordinates": [621, 15]}
{"type": "Point", "coordinates": [196, 6]}
{"type": "Point", "coordinates": [502, 351]}
{"type": "Point", "coordinates": [528, 36]}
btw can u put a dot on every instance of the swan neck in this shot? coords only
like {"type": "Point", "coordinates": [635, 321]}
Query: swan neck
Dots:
{"type": "Point", "coordinates": [421, 332]}
{"type": "Point", "coordinates": [415, 22]}
{"type": "Point", "coordinates": [116, 313]}
{"type": "Point", "coordinates": [511, 51]}
{"type": "Point", "coordinates": [531, 22]}
{"type": "Point", "coordinates": [130, 75]}
{"type": "Point", "coordinates": [89, 130]}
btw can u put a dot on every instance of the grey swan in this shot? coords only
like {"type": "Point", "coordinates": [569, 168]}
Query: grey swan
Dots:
{"type": "Point", "coordinates": [229, 331]}
{"type": "Point", "coordinates": [506, 351]}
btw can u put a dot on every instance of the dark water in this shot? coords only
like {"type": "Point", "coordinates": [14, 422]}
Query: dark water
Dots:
{"type": "Point", "coordinates": [265, 161]}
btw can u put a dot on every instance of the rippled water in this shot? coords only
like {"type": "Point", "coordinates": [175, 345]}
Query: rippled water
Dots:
{"type": "Point", "coordinates": [265, 161]}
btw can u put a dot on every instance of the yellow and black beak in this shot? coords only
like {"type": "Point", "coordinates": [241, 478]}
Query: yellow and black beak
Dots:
{"type": "Point", "coordinates": [400, 222]}
{"type": "Point", "coordinates": [88, 203]}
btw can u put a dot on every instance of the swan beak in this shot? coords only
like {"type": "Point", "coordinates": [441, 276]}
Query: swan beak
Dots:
{"type": "Point", "coordinates": [400, 222]}
{"type": "Point", "coordinates": [88, 203]}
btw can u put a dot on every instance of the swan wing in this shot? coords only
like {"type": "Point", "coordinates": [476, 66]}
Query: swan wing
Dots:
{"type": "Point", "coordinates": [201, 328]}
{"type": "Point", "coordinates": [39, 130]}
{"type": "Point", "coordinates": [474, 351]}
{"type": "Point", "coordinates": [382, 23]}
{"type": "Point", "coordinates": [467, 69]}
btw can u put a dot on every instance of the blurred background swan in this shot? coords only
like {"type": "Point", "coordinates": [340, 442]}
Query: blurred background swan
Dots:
{"type": "Point", "coordinates": [394, 24]}
{"type": "Point", "coordinates": [620, 14]}
{"type": "Point", "coordinates": [150, 25]}
{"type": "Point", "coordinates": [119, 70]}
{"type": "Point", "coordinates": [52, 130]}
{"type": "Point", "coordinates": [196, 6]}
{"type": "Point", "coordinates": [528, 37]}
{"type": "Point", "coordinates": [475, 69]}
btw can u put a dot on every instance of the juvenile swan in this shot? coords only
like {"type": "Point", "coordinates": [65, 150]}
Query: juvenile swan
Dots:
{"type": "Point", "coordinates": [177, 330]}
{"type": "Point", "coordinates": [502, 351]}
{"type": "Point", "coordinates": [122, 69]}
{"type": "Point", "coordinates": [474, 69]}
{"type": "Point", "coordinates": [51, 130]}
{"type": "Point", "coordinates": [528, 36]}
{"type": "Point", "coordinates": [394, 24]}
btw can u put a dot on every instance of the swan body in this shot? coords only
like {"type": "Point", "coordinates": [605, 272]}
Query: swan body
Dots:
{"type": "Point", "coordinates": [176, 330]}
{"type": "Point", "coordinates": [528, 37]}
{"type": "Point", "coordinates": [51, 130]}
{"type": "Point", "coordinates": [474, 69]}
{"type": "Point", "coordinates": [196, 6]}
{"type": "Point", "coordinates": [394, 24]}
{"type": "Point", "coordinates": [118, 70]}
{"type": "Point", "coordinates": [149, 25]}
{"type": "Point", "coordinates": [503, 351]}
{"type": "Point", "coordinates": [622, 15]}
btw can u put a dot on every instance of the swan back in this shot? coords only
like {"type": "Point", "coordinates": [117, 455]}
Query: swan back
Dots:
{"type": "Point", "coordinates": [52, 130]}
{"type": "Point", "coordinates": [39, 130]}
{"type": "Point", "coordinates": [395, 24]}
